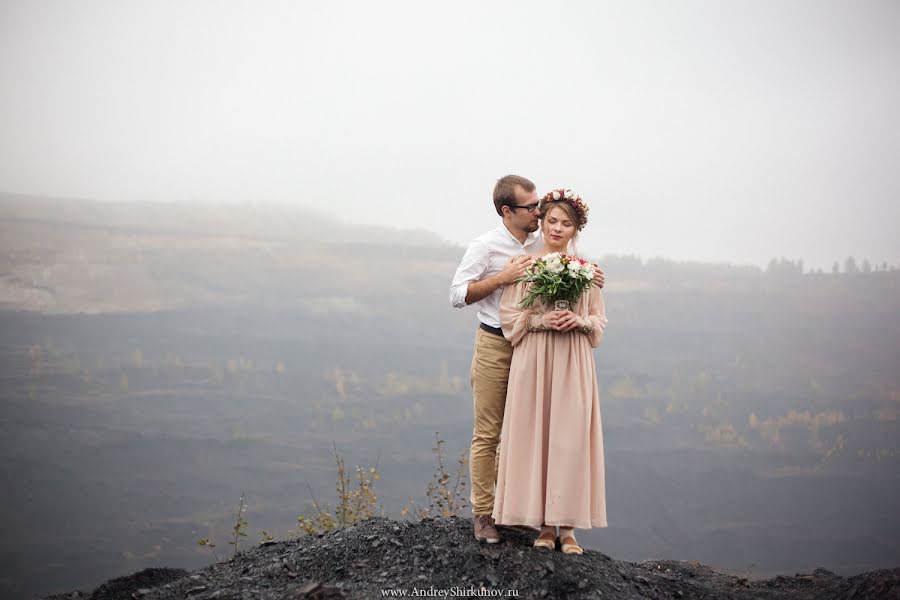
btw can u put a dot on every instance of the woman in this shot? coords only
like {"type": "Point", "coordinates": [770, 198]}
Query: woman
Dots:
{"type": "Point", "coordinates": [550, 469]}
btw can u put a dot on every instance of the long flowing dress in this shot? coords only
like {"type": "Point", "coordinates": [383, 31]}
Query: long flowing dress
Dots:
{"type": "Point", "coordinates": [551, 444]}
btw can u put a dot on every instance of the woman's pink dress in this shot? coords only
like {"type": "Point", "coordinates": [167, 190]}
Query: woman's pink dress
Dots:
{"type": "Point", "coordinates": [551, 445]}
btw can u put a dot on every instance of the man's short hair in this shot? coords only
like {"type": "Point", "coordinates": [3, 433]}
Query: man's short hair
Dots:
{"type": "Point", "coordinates": [505, 191]}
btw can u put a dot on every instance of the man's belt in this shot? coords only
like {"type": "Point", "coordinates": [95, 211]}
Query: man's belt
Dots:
{"type": "Point", "coordinates": [494, 330]}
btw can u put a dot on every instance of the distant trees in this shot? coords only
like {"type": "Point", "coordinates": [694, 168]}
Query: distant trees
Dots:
{"type": "Point", "coordinates": [779, 270]}
{"type": "Point", "coordinates": [866, 267]}
{"type": "Point", "coordinates": [782, 268]}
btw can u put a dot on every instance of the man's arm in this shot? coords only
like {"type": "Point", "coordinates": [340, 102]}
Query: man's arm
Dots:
{"type": "Point", "coordinates": [472, 267]}
{"type": "Point", "coordinates": [479, 290]}
{"type": "Point", "coordinates": [468, 286]}
{"type": "Point", "coordinates": [515, 268]}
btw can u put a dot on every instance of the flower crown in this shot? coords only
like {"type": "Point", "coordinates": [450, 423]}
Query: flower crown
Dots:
{"type": "Point", "coordinates": [569, 197]}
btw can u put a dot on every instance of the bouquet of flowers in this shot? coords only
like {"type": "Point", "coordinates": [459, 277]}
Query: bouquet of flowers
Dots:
{"type": "Point", "coordinates": [559, 278]}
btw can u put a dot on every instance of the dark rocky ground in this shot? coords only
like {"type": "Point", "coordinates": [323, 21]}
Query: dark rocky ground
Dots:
{"type": "Point", "coordinates": [435, 557]}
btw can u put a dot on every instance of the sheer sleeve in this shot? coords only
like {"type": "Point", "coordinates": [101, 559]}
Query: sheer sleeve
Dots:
{"type": "Point", "coordinates": [514, 320]}
{"type": "Point", "coordinates": [597, 315]}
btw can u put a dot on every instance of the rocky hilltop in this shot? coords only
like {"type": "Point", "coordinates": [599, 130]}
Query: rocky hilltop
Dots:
{"type": "Point", "coordinates": [439, 558]}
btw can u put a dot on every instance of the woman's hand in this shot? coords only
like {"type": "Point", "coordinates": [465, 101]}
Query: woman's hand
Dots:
{"type": "Point", "coordinates": [550, 320]}
{"type": "Point", "coordinates": [567, 321]}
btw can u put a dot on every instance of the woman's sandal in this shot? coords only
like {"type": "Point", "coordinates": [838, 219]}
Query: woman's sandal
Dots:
{"type": "Point", "coordinates": [546, 541]}
{"type": "Point", "coordinates": [570, 546]}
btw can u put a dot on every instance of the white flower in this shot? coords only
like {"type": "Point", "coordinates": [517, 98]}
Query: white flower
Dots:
{"type": "Point", "coordinates": [574, 266]}
{"type": "Point", "coordinates": [569, 194]}
{"type": "Point", "coordinates": [587, 271]}
{"type": "Point", "coordinates": [555, 195]}
{"type": "Point", "coordinates": [554, 262]}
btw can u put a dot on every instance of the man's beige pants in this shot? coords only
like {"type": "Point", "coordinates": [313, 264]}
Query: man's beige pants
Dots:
{"type": "Point", "coordinates": [490, 374]}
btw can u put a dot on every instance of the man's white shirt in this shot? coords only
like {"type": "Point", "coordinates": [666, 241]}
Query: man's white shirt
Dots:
{"type": "Point", "coordinates": [487, 255]}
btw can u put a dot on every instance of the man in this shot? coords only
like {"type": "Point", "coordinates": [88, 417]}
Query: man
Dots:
{"type": "Point", "coordinates": [492, 261]}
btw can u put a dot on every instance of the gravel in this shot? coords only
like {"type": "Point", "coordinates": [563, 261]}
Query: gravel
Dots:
{"type": "Point", "coordinates": [439, 558]}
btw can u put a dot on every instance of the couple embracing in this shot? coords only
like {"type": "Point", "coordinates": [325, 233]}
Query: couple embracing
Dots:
{"type": "Point", "coordinates": [536, 460]}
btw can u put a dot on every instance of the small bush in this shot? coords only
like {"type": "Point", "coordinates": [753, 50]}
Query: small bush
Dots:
{"type": "Point", "coordinates": [444, 500]}
{"type": "Point", "coordinates": [353, 505]}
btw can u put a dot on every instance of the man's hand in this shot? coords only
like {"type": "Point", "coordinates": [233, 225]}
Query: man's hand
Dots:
{"type": "Point", "coordinates": [598, 276]}
{"type": "Point", "coordinates": [567, 321]}
{"type": "Point", "coordinates": [514, 269]}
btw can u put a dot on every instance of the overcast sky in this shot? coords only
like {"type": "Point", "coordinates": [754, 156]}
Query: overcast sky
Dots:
{"type": "Point", "coordinates": [715, 131]}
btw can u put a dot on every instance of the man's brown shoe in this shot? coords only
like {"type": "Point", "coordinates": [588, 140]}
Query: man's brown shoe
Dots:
{"type": "Point", "coordinates": [485, 530]}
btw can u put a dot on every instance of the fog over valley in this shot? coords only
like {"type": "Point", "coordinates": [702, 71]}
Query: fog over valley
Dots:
{"type": "Point", "coordinates": [159, 360]}
{"type": "Point", "coordinates": [228, 233]}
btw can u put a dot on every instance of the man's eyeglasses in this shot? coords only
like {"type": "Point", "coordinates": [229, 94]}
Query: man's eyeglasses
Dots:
{"type": "Point", "coordinates": [529, 207]}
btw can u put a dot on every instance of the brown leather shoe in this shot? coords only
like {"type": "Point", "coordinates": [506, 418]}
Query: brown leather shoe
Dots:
{"type": "Point", "coordinates": [485, 530]}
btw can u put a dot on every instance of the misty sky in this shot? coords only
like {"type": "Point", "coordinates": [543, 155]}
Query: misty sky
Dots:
{"type": "Point", "coordinates": [716, 131]}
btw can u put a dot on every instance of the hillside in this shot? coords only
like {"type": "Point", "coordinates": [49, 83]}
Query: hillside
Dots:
{"type": "Point", "coordinates": [157, 360]}
{"type": "Point", "coordinates": [439, 558]}
{"type": "Point", "coordinates": [62, 256]}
